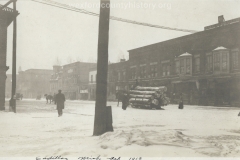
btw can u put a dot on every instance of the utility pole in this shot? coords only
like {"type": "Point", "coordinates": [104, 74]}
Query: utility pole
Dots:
{"type": "Point", "coordinates": [14, 76]}
{"type": "Point", "coordinates": [100, 119]}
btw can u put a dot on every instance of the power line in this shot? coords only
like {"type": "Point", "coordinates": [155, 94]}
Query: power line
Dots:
{"type": "Point", "coordinates": [71, 8]}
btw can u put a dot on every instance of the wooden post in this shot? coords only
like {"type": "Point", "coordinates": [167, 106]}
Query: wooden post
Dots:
{"type": "Point", "coordinates": [14, 77]}
{"type": "Point", "coordinates": [100, 124]}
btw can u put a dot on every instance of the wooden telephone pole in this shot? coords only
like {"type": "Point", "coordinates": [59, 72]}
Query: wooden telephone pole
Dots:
{"type": "Point", "coordinates": [14, 73]}
{"type": "Point", "coordinates": [100, 119]}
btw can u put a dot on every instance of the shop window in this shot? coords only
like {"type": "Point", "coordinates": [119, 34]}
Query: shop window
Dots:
{"type": "Point", "coordinates": [216, 62]}
{"type": "Point", "coordinates": [124, 76]}
{"type": "Point", "coordinates": [209, 63]}
{"type": "Point", "coordinates": [224, 61]}
{"type": "Point", "coordinates": [221, 60]}
{"type": "Point", "coordinates": [177, 67]}
{"type": "Point", "coordinates": [119, 76]}
{"type": "Point", "coordinates": [143, 71]}
{"type": "Point", "coordinates": [182, 66]}
{"type": "Point", "coordinates": [133, 73]}
{"type": "Point", "coordinates": [166, 69]}
{"type": "Point", "coordinates": [235, 56]}
{"type": "Point", "coordinates": [154, 71]}
{"type": "Point", "coordinates": [188, 66]}
{"type": "Point", "coordinates": [197, 64]}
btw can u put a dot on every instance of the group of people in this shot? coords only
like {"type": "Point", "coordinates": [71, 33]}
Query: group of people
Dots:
{"type": "Point", "coordinates": [123, 96]}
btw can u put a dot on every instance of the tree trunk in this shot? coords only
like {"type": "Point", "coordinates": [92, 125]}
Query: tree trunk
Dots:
{"type": "Point", "coordinates": [100, 124]}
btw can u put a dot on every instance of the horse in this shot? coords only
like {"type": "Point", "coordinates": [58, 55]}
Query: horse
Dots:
{"type": "Point", "coordinates": [49, 97]}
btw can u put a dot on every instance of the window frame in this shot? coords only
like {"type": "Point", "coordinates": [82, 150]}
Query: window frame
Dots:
{"type": "Point", "coordinates": [235, 59]}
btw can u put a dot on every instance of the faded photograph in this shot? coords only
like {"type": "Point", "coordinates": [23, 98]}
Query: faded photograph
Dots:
{"type": "Point", "coordinates": [119, 79]}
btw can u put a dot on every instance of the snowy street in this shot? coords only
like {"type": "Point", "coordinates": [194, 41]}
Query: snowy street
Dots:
{"type": "Point", "coordinates": [199, 131]}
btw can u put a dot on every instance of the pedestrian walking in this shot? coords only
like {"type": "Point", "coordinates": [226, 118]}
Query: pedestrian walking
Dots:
{"type": "Point", "coordinates": [125, 100]}
{"type": "Point", "coordinates": [119, 95]}
{"type": "Point", "coordinates": [60, 99]}
{"type": "Point", "coordinates": [180, 106]}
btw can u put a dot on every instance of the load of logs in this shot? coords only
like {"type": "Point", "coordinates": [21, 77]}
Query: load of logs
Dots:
{"type": "Point", "coordinates": [149, 97]}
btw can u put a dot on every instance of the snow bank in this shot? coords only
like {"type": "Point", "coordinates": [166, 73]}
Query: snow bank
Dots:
{"type": "Point", "coordinates": [192, 132]}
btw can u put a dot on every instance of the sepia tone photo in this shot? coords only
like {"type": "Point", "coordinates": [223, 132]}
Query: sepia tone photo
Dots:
{"type": "Point", "coordinates": [119, 79]}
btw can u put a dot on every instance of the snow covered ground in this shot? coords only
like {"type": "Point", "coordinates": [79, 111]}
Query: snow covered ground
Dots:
{"type": "Point", "coordinates": [196, 131]}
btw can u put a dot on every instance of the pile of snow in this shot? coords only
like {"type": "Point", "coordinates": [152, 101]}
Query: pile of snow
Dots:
{"type": "Point", "coordinates": [36, 130]}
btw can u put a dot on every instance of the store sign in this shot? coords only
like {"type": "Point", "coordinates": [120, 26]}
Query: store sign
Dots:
{"type": "Point", "coordinates": [84, 91]}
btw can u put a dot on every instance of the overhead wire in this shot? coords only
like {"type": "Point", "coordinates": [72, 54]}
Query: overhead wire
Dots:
{"type": "Point", "coordinates": [71, 8]}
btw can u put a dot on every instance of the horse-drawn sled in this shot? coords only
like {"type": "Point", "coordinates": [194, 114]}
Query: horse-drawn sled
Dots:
{"type": "Point", "coordinates": [148, 97]}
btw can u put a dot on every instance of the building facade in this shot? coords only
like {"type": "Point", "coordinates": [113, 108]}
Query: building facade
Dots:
{"type": "Point", "coordinates": [204, 66]}
{"type": "Point", "coordinates": [117, 80]}
{"type": "Point", "coordinates": [33, 82]}
{"type": "Point", "coordinates": [75, 79]}
{"type": "Point", "coordinates": [7, 15]}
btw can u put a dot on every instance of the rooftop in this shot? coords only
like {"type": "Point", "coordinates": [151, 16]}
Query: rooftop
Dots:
{"type": "Point", "coordinates": [187, 40]}
{"type": "Point", "coordinates": [8, 14]}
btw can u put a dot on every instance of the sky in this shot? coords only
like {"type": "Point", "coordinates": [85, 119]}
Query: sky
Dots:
{"type": "Point", "coordinates": [47, 36]}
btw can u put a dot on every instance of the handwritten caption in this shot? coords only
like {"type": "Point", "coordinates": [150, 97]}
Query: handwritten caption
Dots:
{"type": "Point", "coordinates": [87, 158]}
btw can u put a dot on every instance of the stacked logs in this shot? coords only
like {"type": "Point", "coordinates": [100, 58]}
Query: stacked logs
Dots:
{"type": "Point", "coordinates": [147, 97]}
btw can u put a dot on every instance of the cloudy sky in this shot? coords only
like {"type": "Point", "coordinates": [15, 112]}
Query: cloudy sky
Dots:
{"type": "Point", "coordinates": [46, 33]}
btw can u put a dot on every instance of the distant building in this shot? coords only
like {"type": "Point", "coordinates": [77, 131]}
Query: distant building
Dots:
{"type": "Point", "coordinates": [34, 82]}
{"type": "Point", "coordinates": [117, 80]}
{"type": "Point", "coordinates": [92, 84]}
{"type": "Point", "coordinates": [8, 89]}
{"type": "Point", "coordinates": [56, 79]}
{"type": "Point", "coordinates": [75, 79]}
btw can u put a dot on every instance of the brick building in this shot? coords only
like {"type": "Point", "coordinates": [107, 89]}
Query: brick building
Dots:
{"type": "Point", "coordinates": [117, 80]}
{"type": "Point", "coordinates": [7, 15]}
{"type": "Point", "coordinates": [203, 66]}
{"type": "Point", "coordinates": [75, 79]}
{"type": "Point", "coordinates": [33, 82]}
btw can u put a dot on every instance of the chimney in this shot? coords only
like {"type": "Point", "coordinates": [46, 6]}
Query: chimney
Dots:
{"type": "Point", "coordinates": [57, 68]}
{"type": "Point", "coordinates": [122, 60]}
{"type": "Point", "coordinates": [221, 19]}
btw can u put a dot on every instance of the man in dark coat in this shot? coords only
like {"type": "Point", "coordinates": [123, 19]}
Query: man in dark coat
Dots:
{"type": "Point", "coordinates": [60, 99]}
{"type": "Point", "coordinates": [119, 96]}
{"type": "Point", "coordinates": [180, 106]}
{"type": "Point", "coordinates": [125, 100]}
